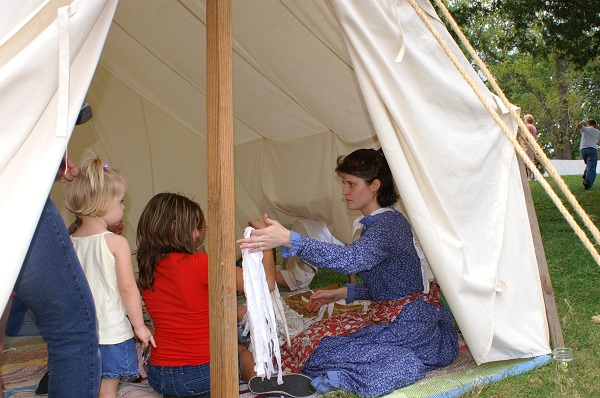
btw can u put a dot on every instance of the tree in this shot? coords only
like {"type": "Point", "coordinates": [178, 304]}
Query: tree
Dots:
{"type": "Point", "coordinates": [544, 54]}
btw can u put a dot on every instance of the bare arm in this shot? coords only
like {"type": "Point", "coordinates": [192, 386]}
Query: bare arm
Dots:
{"type": "Point", "coordinates": [269, 266]}
{"type": "Point", "coordinates": [268, 262]}
{"type": "Point", "coordinates": [577, 128]}
{"type": "Point", "coordinates": [269, 237]}
{"type": "Point", "coordinates": [130, 294]}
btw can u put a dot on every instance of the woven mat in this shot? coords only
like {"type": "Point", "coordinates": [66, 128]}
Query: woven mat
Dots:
{"type": "Point", "coordinates": [23, 363]}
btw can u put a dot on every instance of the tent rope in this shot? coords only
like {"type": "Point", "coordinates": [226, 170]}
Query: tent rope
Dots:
{"type": "Point", "coordinates": [533, 144]}
{"type": "Point", "coordinates": [518, 148]}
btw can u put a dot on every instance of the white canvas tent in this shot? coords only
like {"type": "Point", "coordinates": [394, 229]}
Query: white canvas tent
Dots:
{"type": "Point", "coordinates": [311, 80]}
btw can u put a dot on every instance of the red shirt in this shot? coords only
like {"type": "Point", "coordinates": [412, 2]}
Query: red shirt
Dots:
{"type": "Point", "coordinates": [179, 309]}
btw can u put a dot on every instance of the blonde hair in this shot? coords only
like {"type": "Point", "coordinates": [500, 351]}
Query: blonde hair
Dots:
{"type": "Point", "coordinates": [528, 119]}
{"type": "Point", "coordinates": [94, 190]}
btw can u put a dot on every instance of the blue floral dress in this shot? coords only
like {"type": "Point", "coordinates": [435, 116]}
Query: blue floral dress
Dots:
{"type": "Point", "coordinates": [381, 356]}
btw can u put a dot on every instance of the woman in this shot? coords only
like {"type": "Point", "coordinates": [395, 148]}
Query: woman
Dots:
{"type": "Point", "coordinates": [533, 131]}
{"type": "Point", "coordinates": [405, 333]}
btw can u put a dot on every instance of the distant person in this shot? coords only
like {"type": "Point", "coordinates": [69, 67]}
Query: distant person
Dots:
{"type": "Point", "coordinates": [588, 149]}
{"type": "Point", "coordinates": [96, 197]}
{"type": "Point", "coordinates": [533, 131]}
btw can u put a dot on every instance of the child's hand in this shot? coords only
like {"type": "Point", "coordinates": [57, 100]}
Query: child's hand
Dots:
{"type": "Point", "coordinates": [145, 336]}
{"type": "Point", "coordinates": [258, 223]}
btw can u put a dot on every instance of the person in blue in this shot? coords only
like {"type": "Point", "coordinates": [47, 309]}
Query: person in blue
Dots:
{"type": "Point", "coordinates": [588, 148]}
{"type": "Point", "coordinates": [53, 286]}
{"type": "Point", "coordinates": [406, 332]}
{"type": "Point", "coordinates": [21, 320]}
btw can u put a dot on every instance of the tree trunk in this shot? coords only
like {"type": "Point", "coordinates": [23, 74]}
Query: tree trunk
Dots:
{"type": "Point", "coordinates": [562, 147]}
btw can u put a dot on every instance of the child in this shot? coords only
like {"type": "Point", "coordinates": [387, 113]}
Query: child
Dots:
{"type": "Point", "coordinates": [174, 282]}
{"type": "Point", "coordinates": [96, 197]}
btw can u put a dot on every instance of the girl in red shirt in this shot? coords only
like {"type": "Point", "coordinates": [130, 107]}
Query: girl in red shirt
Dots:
{"type": "Point", "coordinates": [174, 281]}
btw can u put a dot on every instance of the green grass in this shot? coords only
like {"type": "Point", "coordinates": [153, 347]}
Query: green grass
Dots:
{"type": "Point", "coordinates": [575, 279]}
{"type": "Point", "coordinates": [326, 277]}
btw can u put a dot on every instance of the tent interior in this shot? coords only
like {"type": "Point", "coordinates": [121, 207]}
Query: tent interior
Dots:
{"type": "Point", "coordinates": [312, 80]}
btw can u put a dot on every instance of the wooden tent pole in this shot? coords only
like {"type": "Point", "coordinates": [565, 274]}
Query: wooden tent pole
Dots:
{"type": "Point", "coordinates": [221, 237]}
{"type": "Point", "coordinates": [556, 335]}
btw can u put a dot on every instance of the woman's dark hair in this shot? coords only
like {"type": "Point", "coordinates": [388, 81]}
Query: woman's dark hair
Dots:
{"type": "Point", "coordinates": [166, 226]}
{"type": "Point", "coordinates": [370, 165]}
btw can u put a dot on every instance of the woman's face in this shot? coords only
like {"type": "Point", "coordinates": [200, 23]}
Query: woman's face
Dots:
{"type": "Point", "coordinates": [359, 195]}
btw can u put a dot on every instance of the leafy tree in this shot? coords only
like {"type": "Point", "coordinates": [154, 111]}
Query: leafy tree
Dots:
{"type": "Point", "coordinates": [544, 54]}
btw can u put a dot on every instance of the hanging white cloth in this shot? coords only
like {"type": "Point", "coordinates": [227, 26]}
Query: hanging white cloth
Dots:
{"type": "Point", "coordinates": [264, 343]}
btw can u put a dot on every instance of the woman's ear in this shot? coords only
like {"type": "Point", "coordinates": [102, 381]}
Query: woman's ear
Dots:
{"type": "Point", "coordinates": [375, 185]}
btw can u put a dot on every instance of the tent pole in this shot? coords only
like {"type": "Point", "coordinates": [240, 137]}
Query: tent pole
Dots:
{"type": "Point", "coordinates": [224, 380]}
{"type": "Point", "coordinates": [556, 335]}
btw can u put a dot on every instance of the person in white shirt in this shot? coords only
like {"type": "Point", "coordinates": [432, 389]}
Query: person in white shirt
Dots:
{"type": "Point", "coordinates": [588, 148]}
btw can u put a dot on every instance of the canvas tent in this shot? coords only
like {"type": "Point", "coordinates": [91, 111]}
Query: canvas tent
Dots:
{"type": "Point", "coordinates": [311, 80]}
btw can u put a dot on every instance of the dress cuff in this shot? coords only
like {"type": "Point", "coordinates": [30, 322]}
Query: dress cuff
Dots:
{"type": "Point", "coordinates": [288, 252]}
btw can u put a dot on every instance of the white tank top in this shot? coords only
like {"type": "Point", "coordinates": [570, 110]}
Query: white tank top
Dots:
{"type": "Point", "coordinates": [98, 264]}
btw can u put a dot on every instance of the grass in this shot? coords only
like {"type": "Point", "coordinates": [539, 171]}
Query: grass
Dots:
{"type": "Point", "coordinates": [575, 279]}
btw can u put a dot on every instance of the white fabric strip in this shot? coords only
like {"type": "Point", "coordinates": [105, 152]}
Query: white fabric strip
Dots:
{"type": "Point", "coordinates": [280, 313]}
{"type": "Point", "coordinates": [264, 343]}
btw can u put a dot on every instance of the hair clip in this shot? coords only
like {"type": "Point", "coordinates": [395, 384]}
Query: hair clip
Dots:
{"type": "Point", "coordinates": [105, 165]}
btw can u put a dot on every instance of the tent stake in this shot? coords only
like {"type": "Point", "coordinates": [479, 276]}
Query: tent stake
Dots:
{"type": "Point", "coordinates": [556, 335]}
{"type": "Point", "coordinates": [221, 236]}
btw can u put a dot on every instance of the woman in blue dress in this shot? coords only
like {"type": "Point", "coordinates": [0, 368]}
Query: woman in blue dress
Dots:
{"type": "Point", "coordinates": [405, 332]}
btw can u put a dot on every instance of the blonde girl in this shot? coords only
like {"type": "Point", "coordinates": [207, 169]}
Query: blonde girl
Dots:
{"type": "Point", "coordinates": [96, 197]}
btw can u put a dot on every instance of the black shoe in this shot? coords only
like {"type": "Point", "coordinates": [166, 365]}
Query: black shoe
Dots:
{"type": "Point", "coordinates": [42, 387]}
{"type": "Point", "coordinates": [586, 185]}
{"type": "Point", "coordinates": [294, 385]}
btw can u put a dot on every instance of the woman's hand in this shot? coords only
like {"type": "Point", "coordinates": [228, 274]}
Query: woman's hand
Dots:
{"type": "Point", "coordinates": [321, 297]}
{"type": "Point", "coordinates": [268, 237]}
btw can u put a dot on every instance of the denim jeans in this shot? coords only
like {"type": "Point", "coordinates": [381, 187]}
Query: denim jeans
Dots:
{"type": "Point", "coordinates": [590, 158]}
{"type": "Point", "coordinates": [181, 381]}
{"type": "Point", "coordinates": [53, 286]}
{"type": "Point", "coordinates": [21, 320]}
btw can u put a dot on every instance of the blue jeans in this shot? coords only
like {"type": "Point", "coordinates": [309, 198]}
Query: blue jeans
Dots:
{"type": "Point", "coordinates": [590, 158]}
{"type": "Point", "coordinates": [21, 320]}
{"type": "Point", "coordinates": [53, 286]}
{"type": "Point", "coordinates": [182, 381]}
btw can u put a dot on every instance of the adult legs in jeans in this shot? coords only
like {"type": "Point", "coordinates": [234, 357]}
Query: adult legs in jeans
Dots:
{"type": "Point", "coordinates": [52, 284]}
{"type": "Point", "coordinates": [590, 157]}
